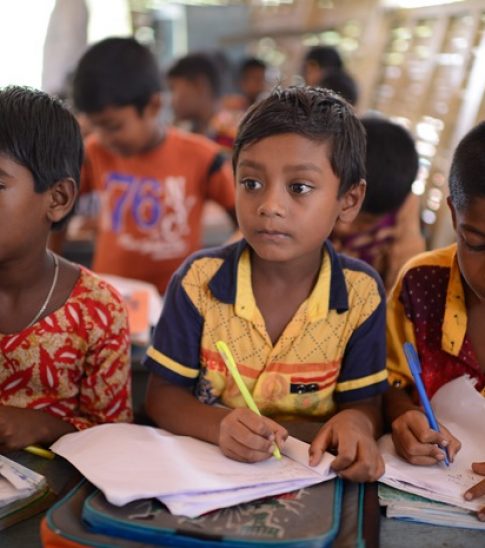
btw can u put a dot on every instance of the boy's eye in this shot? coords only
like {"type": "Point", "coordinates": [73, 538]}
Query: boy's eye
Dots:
{"type": "Point", "coordinates": [474, 244]}
{"type": "Point", "coordinates": [250, 184]}
{"type": "Point", "coordinates": [300, 188]}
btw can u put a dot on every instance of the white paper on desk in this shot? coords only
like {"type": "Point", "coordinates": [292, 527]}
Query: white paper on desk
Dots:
{"type": "Point", "coordinates": [461, 409]}
{"type": "Point", "coordinates": [129, 462]}
{"type": "Point", "coordinates": [17, 481]}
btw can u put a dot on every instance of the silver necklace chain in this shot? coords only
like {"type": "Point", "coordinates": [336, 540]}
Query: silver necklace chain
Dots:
{"type": "Point", "coordinates": [51, 290]}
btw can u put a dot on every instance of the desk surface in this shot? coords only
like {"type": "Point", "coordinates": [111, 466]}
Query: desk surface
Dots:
{"type": "Point", "coordinates": [394, 534]}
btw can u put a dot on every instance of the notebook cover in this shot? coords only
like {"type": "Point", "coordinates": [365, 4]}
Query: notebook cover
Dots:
{"type": "Point", "coordinates": [298, 519]}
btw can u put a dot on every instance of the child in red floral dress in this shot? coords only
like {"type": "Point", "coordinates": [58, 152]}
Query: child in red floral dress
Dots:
{"type": "Point", "coordinates": [64, 344]}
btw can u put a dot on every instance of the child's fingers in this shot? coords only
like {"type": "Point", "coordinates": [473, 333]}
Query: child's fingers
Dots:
{"type": "Point", "coordinates": [452, 444]}
{"type": "Point", "coordinates": [257, 424]}
{"type": "Point", "coordinates": [346, 454]}
{"type": "Point", "coordinates": [415, 452]}
{"type": "Point", "coordinates": [479, 468]}
{"type": "Point", "coordinates": [478, 490]}
{"type": "Point", "coordinates": [319, 445]}
{"type": "Point", "coordinates": [369, 466]}
{"type": "Point", "coordinates": [240, 452]}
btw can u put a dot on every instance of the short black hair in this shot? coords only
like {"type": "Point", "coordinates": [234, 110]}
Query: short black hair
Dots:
{"type": "Point", "coordinates": [317, 114]}
{"type": "Point", "coordinates": [340, 81]}
{"type": "Point", "coordinates": [250, 63]}
{"type": "Point", "coordinates": [391, 163]}
{"type": "Point", "coordinates": [115, 72]}
{"type": "Point", "coordinates": [467, 173]}
{"type": "Point", "coordinates": [195, 65]}
{"type": "Point", "coordinates": [40, 134]}
{"type": "Point", "coordinates": [325, 57]}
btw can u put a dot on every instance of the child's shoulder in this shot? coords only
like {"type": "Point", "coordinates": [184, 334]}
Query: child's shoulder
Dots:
{"type": "Point", "coordinates": [442, 257]}
{"type": "Point", "coordinates": [207, 261]}
{"type": "Point", "coordinates": [93, 288]}
{"type": "Point", "coordinates": [190, 142]}
{"type": "Point", "coordinates": [358, 274]}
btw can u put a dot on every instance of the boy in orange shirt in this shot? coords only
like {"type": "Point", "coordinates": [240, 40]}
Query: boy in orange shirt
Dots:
{"type": "Point", "coordinates": [152, 181]}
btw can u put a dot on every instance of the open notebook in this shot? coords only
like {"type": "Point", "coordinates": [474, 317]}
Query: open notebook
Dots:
{"type": "Point", "coordinates": [128, 462]}
{"type": "Point", "coordinates": [462, 410]}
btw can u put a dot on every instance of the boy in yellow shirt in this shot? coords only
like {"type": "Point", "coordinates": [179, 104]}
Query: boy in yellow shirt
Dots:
{"type": "Point", "coordinates": [305, 325]}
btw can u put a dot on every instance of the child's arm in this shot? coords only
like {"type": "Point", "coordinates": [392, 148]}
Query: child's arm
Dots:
{"type": "Point", "coordinates": [20, 427]}
{"type": "Point", "coordinates": [478, 490]}
{"type": "Point", "coordinates": [241, 434]}
{"type": "Point", "coordinates": [351, 433]}
{"type": "Point", "coordinates": [413, 438]}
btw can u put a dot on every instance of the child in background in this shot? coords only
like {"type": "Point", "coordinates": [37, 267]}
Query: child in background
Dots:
{"type": "Point", "coordinates": [341, 82]}
{"type": "Point", "coordinates": [376, 236]}
{"type": "Point", "coordinates": [318, 62]}
{"type": "Point", "coordinates": [438, 304]}
{"type": "Point", "coordinates": [305, 324]}
{"type": "Point", "coordinates": [252, 80]}
{"type": "Point", "coordinates": [153, 182]}
{"type": "Point", "coordinates": [195, 86]}
{"type": "Point", "coordinates": [64, 349]}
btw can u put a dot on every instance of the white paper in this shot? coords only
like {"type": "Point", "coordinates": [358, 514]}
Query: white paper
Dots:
{"type": "Point", "coordinates": [461, 409]}
{"type": "Point", "coordinates": [129, 462]}
{"type": "Point", "coordinates": [17, 481]}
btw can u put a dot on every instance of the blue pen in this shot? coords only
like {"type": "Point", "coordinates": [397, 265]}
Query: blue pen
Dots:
{"type": "Point", "coordinates": [415, 367]}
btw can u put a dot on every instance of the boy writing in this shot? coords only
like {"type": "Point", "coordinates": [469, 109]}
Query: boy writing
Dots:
{"type": "Point", "coordinates": [438, 304]}
{"type": "Point", "coordinates": [153, 182]}
{"type": "Point", "coordinates": [64, 345]}
{"type": "Point", "coordinates": [306, 326]}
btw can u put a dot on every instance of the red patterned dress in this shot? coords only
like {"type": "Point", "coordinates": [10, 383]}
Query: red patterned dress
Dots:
{"type": "Point", "coordinates": [75, 362]}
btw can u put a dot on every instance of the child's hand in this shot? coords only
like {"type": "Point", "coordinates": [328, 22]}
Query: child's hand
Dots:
{"type": "Point", "coordinates": [416, 442]}
{"type": "Point", "coordinates": [17, 428]}
{"type": "Point", "coordinates": [248, 437]}
{"type": "Point", "coordinates": [478, 490]}
{"type": "Point", "coordinates": [21, 427]}
{"type": "Point", "coordinates": [349, 432]}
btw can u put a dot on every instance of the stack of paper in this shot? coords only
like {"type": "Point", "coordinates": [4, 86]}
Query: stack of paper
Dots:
{"type": "Point", "coordinates": [129, 462]}
{"type": "Point", "coordinates": [17, 482]}
{"type": "Point", "coordinates": [462, 410]}
{"type": "Point", "coordinates": [23, 492]}
{"type": "Point", "coordinates": [409, 507]}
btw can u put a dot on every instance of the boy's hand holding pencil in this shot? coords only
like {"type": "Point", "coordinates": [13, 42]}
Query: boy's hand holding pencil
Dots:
{"type": "Point", "coordinates": [248, 437]}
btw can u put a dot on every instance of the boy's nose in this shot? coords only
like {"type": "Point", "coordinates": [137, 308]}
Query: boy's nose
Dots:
{"type": "Point", "coordinates": [273, 204]}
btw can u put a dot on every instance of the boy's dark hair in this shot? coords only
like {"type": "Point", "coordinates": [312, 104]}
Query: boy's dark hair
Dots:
{"type": "Point", "coordinates": [115, 72]}
{"type": "Point", "coordinates": [197, 65]}
{"type": "Point", "coordinates": [340, 81]}
{"type": "Point", "coordinates": [317, 114]}
{"type": "Point", "coordinates": [40, 134]}
{"type": "Point", "coordinates": [391, 164]}
{"type": "Point", "coordinates": [325, 57]}
{"type": "Point", "coordinates": [251, 63]}
{"type": "Point", "coordinates": [467, 173]}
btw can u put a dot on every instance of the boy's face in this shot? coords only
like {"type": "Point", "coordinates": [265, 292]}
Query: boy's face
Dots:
{"type": "Point", "coordinates": [286, 197]}
{"type": "Point", "coordinates": [125, 130]}
{"type": "Point", "coordinates": [253, 83]}
{"type": "Point", "coordinates": [469, 223]}
{"type": "Point", "coordinates": [185, 97]}
{"type": "Point", "coordinates": [313, 73]}
{"type": "Point", "coordinates": [22, 210]}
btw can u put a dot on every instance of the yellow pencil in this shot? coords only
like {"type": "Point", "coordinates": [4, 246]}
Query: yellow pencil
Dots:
{"type": "Point", "coordinates": [39, 451]}
{"type": "Point", "coordinates": [231, 365]}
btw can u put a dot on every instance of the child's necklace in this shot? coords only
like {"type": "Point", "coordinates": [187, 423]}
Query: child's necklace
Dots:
{"type": "Point", "coordinates": [51, 290]}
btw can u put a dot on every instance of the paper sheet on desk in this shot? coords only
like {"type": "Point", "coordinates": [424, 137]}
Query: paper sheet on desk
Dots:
{"type": "Point", "coordinates": [129, 462]}
{"type": "Point", "coordinates": [461, 409]}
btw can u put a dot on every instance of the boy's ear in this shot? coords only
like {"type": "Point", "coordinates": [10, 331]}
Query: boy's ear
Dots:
{"type": "Point", "coordinates": [154, 105]}
{"type": "Point", "coordinates": [452, 210]}
{"type": "Point", "coordinates": [351, 202]}
{"type": "Point", "coordinates": [61, 199]}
